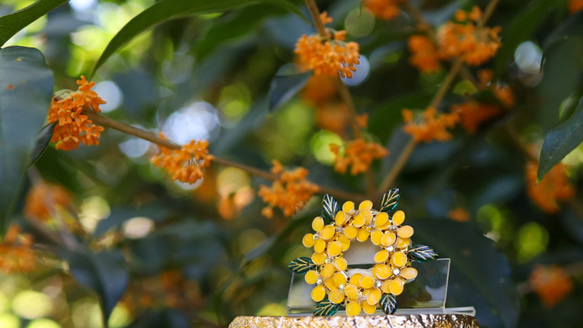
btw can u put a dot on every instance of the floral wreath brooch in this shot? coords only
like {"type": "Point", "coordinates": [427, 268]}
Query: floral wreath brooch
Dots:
{"type": "Point", "coordinates": [335, 285]}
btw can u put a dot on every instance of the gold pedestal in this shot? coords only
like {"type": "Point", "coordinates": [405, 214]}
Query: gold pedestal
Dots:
{"type": "Point", "coordinates": [376, 321]}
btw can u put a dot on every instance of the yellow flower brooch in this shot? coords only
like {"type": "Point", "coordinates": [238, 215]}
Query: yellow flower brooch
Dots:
{"type": "Point", "coordinates": [355, 290]}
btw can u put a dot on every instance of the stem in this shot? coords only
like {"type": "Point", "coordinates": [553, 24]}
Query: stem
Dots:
{"type": "Point", "coordinates": [396, 169]}
{"type": "Point", "coordinates": [488, 12]}
{"type": "Point", "coordinates": [347, 98]}
{"type": "Point", "coordinates": [315, 13]}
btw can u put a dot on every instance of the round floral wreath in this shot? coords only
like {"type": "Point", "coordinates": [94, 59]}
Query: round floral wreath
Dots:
{"type": "Point", "coordinates": [337, 287]}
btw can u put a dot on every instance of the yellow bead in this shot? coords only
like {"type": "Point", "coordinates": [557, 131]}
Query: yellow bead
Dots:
{"type": "Point", "coordinates": [398, 217]}
{"type": "Point", "coordinates": [355, 279]}
{"type": "Point", "coordinates": [327, 232]}
{"type": "Point", "coordinates": [348, 206]}
{"type": "Point", "coordinates": [405, 232]}
{"type": "Point", "coordinates": [319, 246]}
{"type": "Point", "coordinates": [341, 264]}
{"type": "Point", "coordinates": [368, 309]}
{"type": "Point", "coordinates": [375, 237]}
{"type": "Point", "coordinates": [353, 308]}
{"type": "Point", "coordinates": [339, 279]}
{"type": "Point", "coordinates": [388, 239]}
{"type": "Point", "coordinates": [399, 259]}
{"type": "Point", "coordinates": [312, 277]}
{"type": "Point", "coordinates": [340, 218]}
{"type": "Point", "coordinates": [336, 296]}
{"type": "Point", "coordinates": [334, 248]}
{"type": "Point", "coordinates": [319, 258]}
{"type": "Point", "coordinates": [381, 256]}
{"type": "Point", "coordinates": [308, 240]}
{"type": "Point", "coordinates": [358, 221]}
{"type": "Point", "coordinates": [402, 242]}
{"type": "Point", "coordinates": [381, 219]}
{"type": "Point", "coordinates": [351, 292]}
{"type": "Point", "coordinates": [350, 232]}
{"type": "Point", "coordinates": [362, 235]}
{"type": "Point", "coordinates": [318, 293]}
{"type": "Point", "coordinates": [366, 282]}
{"type": "Point", "coordinates": [408, 273]}
{"type": "Point", "coordinates": [396, 286]}
{"type": "Point", "coordinates": [345, 242]}
{"type": "Point", "coordinates": [381, 271]}
{"type": "Point", "coordinates": [318, 223]}
{"type": "Point", "coordinates": [374, 297]}
{"type": "Point", "coordinates": [327, 271]}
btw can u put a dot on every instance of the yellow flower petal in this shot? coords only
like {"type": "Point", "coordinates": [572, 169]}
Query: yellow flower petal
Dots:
{"type": "Point", "coordinates": [375, 237]}
{"type": "Point", "coordinates": [381, 256]}
{"type": "Point", "coordinates": [319, 258]}
{"type": "Point", "coordinates": [382, 271]}
{"type": "Point", "coordinates": [329, 283]}
{"type": "Point", "coordinates": [396, 286]}
{"type": "Point", "coordinates": [365, 205]}
{"type": "Point", "coordinates": [386, 286]}
{"type": "Point", "coordinates": [318, 223]}
{"type": "Point", "coordinates": [367, 216]}
{"type": "Point", "coordinates": [336, 296]}
{"type": "Point", "coordinates": [366, 282]}
{"type": "Point", "coordinates": [339, 279]}
{"type": "Point", "coordinates": [318, 293]}
{"type": "Point", "coordinates": [362, 235]}
{"type": "Point", "coordinates": [398, 217]}
{"type": "Point", "coordinates": [334, 248]}
{"type": "Point", "coordinates": [353, 308]}
{"type": "Point", "coordinates": [381, 219]}
{"type": "Point", "coordinates": [408, 273]}
{"type": "Point", "coordinates": [399, 259]}
{"type": "Point", "coordinates": [388, 239]}
{"type": "Point", "coordinates": [308, 240]}
{"type": "Point", "coordinates": [350, 232]}
{"type": "Point", "coordinates": [312, 277]}
{"type": "Point", "coordinates": [355, 279]}
{"type": "Point", "coordinates": [341, 264]}
{"type": "Point", "coordinates": [320, 246]}
{"type": "Point", "coordinates": [405, 232]}
{"type": "Point", "coordinates": [327, 271]}
{"type": "Point", "coordinates": [402, 242]}
{"type": "Point", "coordinates": [358, 220]}
{"type": "Point", "coordinates": [345, 242]}
{"type": "Point", "coordinates": [351, 292]}
{"type": "Point", "coordinates": [327, 232]}
{"type": "Point", "coordinates": [348, 206]}
{"type": "Point", "coordinates": [368, 309]}
{"type": "Point", "coordinates": [340, 218]}
{"type": "Point", "coordinates": [374, 297]}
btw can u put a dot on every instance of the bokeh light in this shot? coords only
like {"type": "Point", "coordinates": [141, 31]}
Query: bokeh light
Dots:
{"type": "Point", "coordinates": [362, 72]}
{"type": "Point", "coordinates": [196, 121]}
{"type": "Point", "coordinates": [359, 22]}
{"type": "Point", "coordinates": [31, 304]}
{"type": "Point", "coordinates": [111, 93]}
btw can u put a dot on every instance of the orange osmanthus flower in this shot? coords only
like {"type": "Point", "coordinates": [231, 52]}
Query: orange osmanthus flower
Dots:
{"type": "Point", "coordinates": [464, 39]}
{"type": "Point", "coordinates": [502, 92]}
{"type": "Point", "coordinates": [290, 192]}
{"type": "Point", "coordinates": [384, 9]}
{"type": "Point", "coordinates": [430, 125]}
{"type": "Point", "coordinates": [44, 199]}
{"type": "Point", "coordinates": [550, 283]}
{"type": "Point", "coordinates": [459, 214]}
{"type": "Point", "coordinates": [575, 6]}
{"type": "Point", "coordinates": [358, 154]}
{"type": "Point", "coordinates": [423, 54]}
{"type": "Point", "coordinates": [16, 255]}
{"type": "Point", "coordinates": [186, 164]}
{"type": "Point", "coordinates": [328, 56]}
{"type": "Point", "coordinates": [319, 89]}
{"type": "Point", "coordinates": [473, 114]}
{"type": "Point", "coordinates": [73, 127]}
{"type": "Point", "coordinates": [553, 188]}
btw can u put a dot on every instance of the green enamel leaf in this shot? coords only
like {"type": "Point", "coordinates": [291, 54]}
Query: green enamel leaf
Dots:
{"type": "Point", "coordinates": [390, 200]}
{"type": "Point", "coordinates": [329, 208]}
{"type": "Point", "coordinates": [301, 265]}
{"type": "Point", "coordinates": [389, 303]}
{"type": "Point", "coordinates": [326, 308]}
{"type": "Point", "coordinates": [422, 253]}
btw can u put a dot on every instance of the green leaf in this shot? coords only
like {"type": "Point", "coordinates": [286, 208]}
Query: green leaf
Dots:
{"type": "Point", "coordinates": [171, 9]}
{"type": "Point", "coordinates": [464, 88]}
{"type": "Point", "coordinates": [329, 208]}
{"type": "Point", "coordinates": [301, 265]}
{"type": "Point", "coordinates": [13, 23]}
{"type": "Point", "coordinates": [286, 83]}
{"type": "Point", "coordinates": [104, 273]}
{"type": "Point", "coordinates": [560, 141]}
{"type": "Point", "coordinates": [571, 28]}
{"type": "Point", "coordinates": [422, 253]}
{"type": "Point", "coordinates": [42, 142]}
{"type": "Point", "coordinates": [326, 308]}
{"type": "Point", "coordinates": [26, 89]}
{"type": "Point", "coordinates": [480, 276]}
{"type": "Point", "coordinates": [390, 200]}
{"type": "Point", "coordinates": [389, 303]}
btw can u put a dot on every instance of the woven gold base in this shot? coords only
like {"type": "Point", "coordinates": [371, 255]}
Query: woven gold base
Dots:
{"type": "Point", "coordinates": [376, 321]}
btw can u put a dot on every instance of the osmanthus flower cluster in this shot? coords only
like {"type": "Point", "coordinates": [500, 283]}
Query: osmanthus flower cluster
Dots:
{"type": "Point", "coordinates": [384, 9]}
{"type": "Point", "coordinates": [423, 54]}
{"type": "Point", "coordinates": [17, 255]}
{"type": "Point", "coordinates": [328, 55]}
{"type": "Point", "coordinates": [72, 126]}
{"type": "Point", "coordinates": [186, 164]}
{"type": "Point", "coordinates": [358, 154]}
{"type": "Point", "coordinates": [290, 192]}
{"type": "Point", "coordinates": [554, 187]}
{"type": "Point", "coordinates": [429, 125]}
{"type": "Point", "coordinates": [336, 284]}
{"type": "Point", "coordinates": [575, 6]}
{"type": "Point", "coordinates": [551, 284]}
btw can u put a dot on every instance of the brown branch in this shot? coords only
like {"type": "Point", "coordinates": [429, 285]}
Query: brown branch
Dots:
{"type": "Point", "coordinates": [347, 99]}
{"type": "Point", "coordinates": [315, 13]}
{"type": "Point", "coordinates": [488, 12]}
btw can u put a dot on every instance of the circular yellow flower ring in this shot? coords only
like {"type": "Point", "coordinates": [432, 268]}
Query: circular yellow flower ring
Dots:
{"type": "Point", "coordinates": [356, 291]}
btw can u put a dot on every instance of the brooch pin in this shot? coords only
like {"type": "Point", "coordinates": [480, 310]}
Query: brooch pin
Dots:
{"type": "Point", "coordinates": [336, 286]}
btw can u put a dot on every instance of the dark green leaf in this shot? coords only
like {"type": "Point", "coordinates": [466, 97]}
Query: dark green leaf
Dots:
{"type": "Point", "coordinates": [171, 9]}
{"type": "Point", "coordinates": [560, 141]}
{"type": "Point", "coordinates": [480, 276]}
{"type": "Point", "coordinates": [301, 265]}
{"type": "Point", "coordinates": [26, 88]}
{"type": "Point", "coordinates": [422, 253]}
{"type": "Point", "coordinates": [326, 308]}
{"type": "Point", "coordinates": [286, 83]}
{"type": "Point", "coordinates": [13, 23]}
{"type": "Point", "coordinates": [389, 303]}
{"type": "Point", "coordinates": [104, 273]}
{"type": "Point", "coordinates": [571, 28]}
{"type": "Point", "coordinates": [169, 318]}
{"type": "Point", "coordinates": [465, 88]}
{"type": "Point", "coordinates": [329, 208]}
{"type": "Point", "coordinates": [390, 200]}
{"type": "Point", "coordinates": [42, 142]}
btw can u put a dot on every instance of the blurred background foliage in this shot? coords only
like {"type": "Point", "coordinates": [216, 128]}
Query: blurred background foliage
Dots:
{"type": "Point", "coordinates": [179, 255]}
